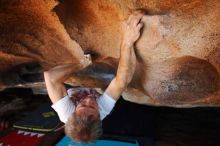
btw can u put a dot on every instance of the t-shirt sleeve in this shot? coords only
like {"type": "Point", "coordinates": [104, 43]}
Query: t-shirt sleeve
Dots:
{"type": "Point", "coordinates": [64, 108]}
{"type": "Point", "coordinates": [106, 104]}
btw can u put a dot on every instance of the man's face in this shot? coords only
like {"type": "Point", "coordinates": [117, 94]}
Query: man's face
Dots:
{"type": "Point", "coordinates": [88, 106]}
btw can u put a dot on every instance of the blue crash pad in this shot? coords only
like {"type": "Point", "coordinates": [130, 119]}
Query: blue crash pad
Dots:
{"type": "Point", "coordinates": [66, 141]}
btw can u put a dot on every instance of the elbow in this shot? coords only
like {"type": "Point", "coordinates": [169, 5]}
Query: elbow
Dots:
{"type": "Point", "coordinates": [48, 77]}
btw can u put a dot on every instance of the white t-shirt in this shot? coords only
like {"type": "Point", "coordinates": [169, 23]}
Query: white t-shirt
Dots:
{"type": "Point", "coordinates": [65, 106]}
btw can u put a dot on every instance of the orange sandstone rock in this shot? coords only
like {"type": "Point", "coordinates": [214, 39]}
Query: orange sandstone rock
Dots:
{"type": "Point", "coordinates": [178, 52]}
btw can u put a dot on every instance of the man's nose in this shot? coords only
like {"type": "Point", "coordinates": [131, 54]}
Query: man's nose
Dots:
{"type": "Point", "coordinates": [88, 100]}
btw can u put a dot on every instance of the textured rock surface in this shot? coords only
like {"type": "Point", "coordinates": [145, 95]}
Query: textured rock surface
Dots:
{"type": "Point", "coordinates": [30, 33]}
{"type": "Point", "coordinates": [178, 53]}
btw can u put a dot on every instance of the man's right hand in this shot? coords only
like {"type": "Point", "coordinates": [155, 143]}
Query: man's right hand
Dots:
{"type": "Point", "coordinates": [87, 60]}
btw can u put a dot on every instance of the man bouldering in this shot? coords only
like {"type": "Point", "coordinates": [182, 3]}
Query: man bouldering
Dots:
{"type": "Point", "coordinates": [82, 109]}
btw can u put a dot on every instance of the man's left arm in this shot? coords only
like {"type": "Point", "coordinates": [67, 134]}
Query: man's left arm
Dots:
{"type": "Point", "coordinates": [55, 78]}
{"type": "Point", "coordinates": [127, 62]}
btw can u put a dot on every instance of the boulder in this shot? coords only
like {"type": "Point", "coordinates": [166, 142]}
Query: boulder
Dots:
{"type": "Point", "coordinates": [178, 52]}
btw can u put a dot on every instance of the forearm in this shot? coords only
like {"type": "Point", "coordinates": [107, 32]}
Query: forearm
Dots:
{"type": "Point", "coordinates": [60, 74]}
{"type": "Point", "coordinates": [125, 72]}
{"type": "Point", "coordinates": [115, 89]}
{"type": "Point", "coordinates": [127, 64]}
